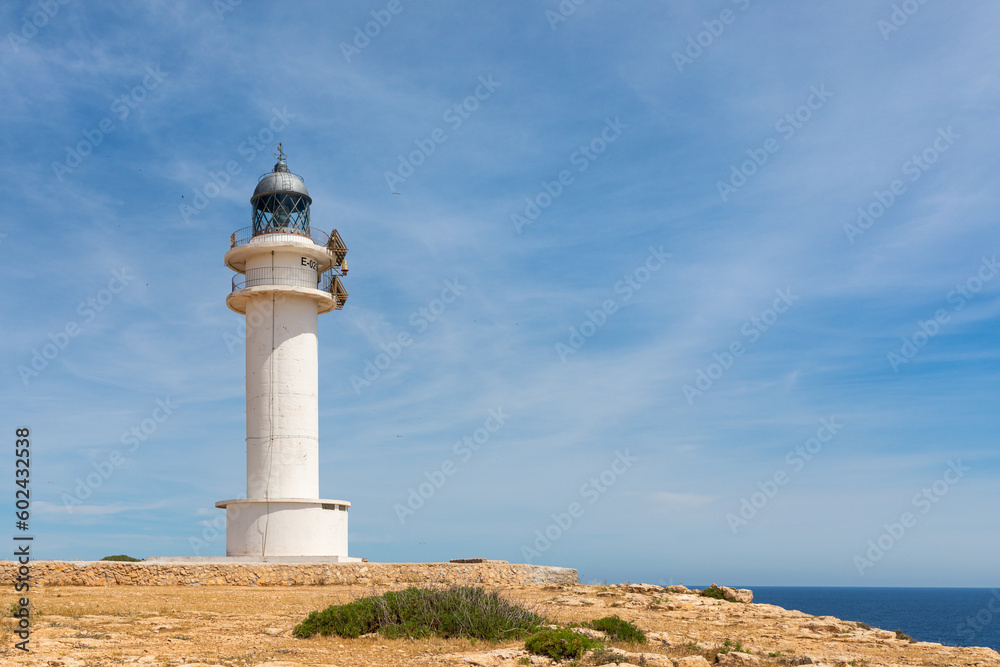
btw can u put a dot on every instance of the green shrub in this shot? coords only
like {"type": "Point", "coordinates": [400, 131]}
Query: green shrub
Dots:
{"type": "Point", "coordinates": [902, 635]}
{"type": "Point", "coordinates": [618, 629]}
{"type": "Point", "coordinates": [347, 620]}
{"type": "Point", "coordinates": [732, 647]}
{"type": "Point", "coordinates": [122, 557]}
{"type": "Point", "coordinates": [560, 644]}
{"type": "Point", "coordinates": [460, 611]}
{"type": "Point", "coordinates": [713, 592]}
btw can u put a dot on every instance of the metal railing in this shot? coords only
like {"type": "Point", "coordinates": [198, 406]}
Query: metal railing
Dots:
{"type": "Point", "coordinates": [277, 275]}
{"type": "Point", "coordinates": [243, 236]}
{"type": "Point", "coordinates": [328, 281]}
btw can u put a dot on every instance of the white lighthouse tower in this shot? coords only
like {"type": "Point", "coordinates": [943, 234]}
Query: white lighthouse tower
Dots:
{"type": "Point", "coordinates": [288, 274]}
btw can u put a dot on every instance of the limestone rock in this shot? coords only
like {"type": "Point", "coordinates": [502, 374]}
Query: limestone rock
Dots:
{"type": "Point", "coordinates": [496, 657]}
{"type": "Point", "coordinates": [589, 632]}
{"type": "Point", "coordinates": [824, 627]}
{"type": "Point", "coordinates": [692, 661]}
{"type": "Point", "coordinates": [574, 601]}
{"type": "Point", "coordinates": [741, 595]}
{"type": "Point", "coordinates": [732, 594]}
{"type": "Point", "coordinates": [661, 637]}
{"type": "Point", "coordinates": [736, 659]}
{"type": "Point", "coordinates": [651, 659]}
{"type": "Point", "coordinates": [645, 588]}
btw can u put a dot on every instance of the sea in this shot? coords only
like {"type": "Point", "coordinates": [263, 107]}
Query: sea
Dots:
{"type": "Point", "coordinates": [950, 616]}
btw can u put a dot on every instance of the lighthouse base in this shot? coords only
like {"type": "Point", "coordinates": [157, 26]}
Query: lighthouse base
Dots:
{"type": "Point", "coordinates": [286, 527]}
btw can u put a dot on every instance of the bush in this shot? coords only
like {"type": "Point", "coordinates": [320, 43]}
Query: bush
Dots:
{"type": "Point", "coordinates": [729, 646]}
{"type": "Point", "coordinates": [347, 620]}
{"type": "Point", "coordinates": [713, 591]}
{"type": "Point", "coordinates": [560, 644]}
{"type": "Point", "coordinates": [618, 629]}
{"type": "Point", "coordinates": [123, 557]}
{"type": "Point", "coordinates": [460, 611]}
{"type": "Point", "coordinates": [905, 637]}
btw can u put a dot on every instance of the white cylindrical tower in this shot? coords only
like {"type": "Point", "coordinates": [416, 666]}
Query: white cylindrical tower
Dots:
{"type": "Point", "coordinates": [289, 273]}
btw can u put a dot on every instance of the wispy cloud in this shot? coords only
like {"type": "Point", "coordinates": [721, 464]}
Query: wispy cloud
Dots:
{"type": "Point", "coordinates": [46, 508]}
{"type": "Point", "coordinates": [170, 333]}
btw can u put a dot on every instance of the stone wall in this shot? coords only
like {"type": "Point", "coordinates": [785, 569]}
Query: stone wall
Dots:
{"type": "Point", "coordinates": [108, 573]}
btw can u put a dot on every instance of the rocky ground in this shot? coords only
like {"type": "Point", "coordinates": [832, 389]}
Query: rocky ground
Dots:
{"type": "Point", "coordinates": [170, 626]}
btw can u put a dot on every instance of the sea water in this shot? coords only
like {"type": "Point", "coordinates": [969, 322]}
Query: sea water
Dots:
{"type": "Point", "coordinates": [950, 616]}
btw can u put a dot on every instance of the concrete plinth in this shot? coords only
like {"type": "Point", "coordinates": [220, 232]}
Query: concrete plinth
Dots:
{"type": "Point", "coordinates": [311, 529]}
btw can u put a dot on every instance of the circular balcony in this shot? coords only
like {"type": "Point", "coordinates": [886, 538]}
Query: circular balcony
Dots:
{"type": "Point", "coordinates": [277, 275]}
{"type": "Point", "coordinates": [333, 242]}
{"type": "Point", "coordinates": [325, 288]}
{"type": "Point", "coordinates": [328, 250]}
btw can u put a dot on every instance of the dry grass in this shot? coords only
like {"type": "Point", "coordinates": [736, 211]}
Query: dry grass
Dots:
{"type": "Point", "coordinates": [234, 627]}
{"type": "Point", "coordinates": [244, 627]}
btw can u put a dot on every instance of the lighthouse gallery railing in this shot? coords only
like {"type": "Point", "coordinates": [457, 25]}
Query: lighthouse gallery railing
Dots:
{"type": "Point", "coordinates": [245, 235]}
{"type": "Point", "coordinates": [293, 277]}
{"type": "Point", "coordinates": [277, 275]}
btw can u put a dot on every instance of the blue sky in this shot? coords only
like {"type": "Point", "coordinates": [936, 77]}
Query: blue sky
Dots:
{"type": "Point", "coordinates": [725, 270]}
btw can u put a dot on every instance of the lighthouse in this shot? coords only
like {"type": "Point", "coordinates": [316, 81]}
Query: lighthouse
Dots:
{"type": "Point", "coordinates": [287, 274]}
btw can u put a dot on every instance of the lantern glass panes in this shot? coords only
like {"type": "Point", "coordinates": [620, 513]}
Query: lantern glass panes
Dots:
{"type": "Point", "coordinates": [281, 212]}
